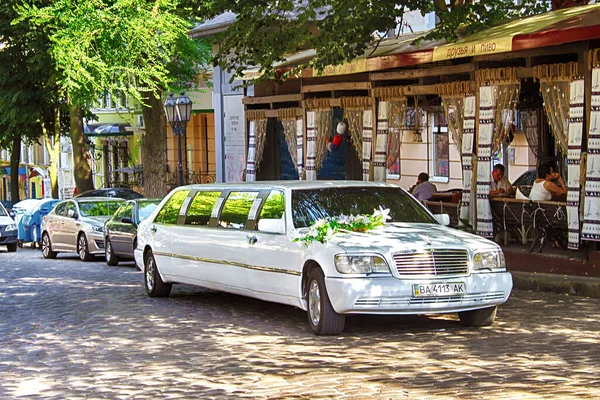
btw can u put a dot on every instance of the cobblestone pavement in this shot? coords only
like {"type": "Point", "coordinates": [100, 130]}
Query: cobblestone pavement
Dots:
{"type": "Point", "coordinates": [75, 330]}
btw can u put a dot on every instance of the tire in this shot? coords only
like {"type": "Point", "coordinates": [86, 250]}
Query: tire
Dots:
{"type": "Point", "coordinates": [20, 244]}
{"type": "Point", "coordinates": [47, 247]}
{"type": "Point", "coordinates": [82, 248]}
{"type": "Point", "coordinates": [481, 317]}
{"type": "Point", "coordinates": [155, 287]}
{"type": "Point", "coordinates": [322, 318]}
{"type": "Point", "coordinates": [109, 255]}
{"type": "Point", "coordinates": [11, 247]}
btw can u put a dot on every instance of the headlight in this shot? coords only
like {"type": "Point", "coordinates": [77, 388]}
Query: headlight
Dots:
{"type": "Point", "coordinates": [11, 227]}
{"type": "Point", "coordinates": [489, 260]}
{"type": "Point", "coordinates": [96, 228]}
{"type": "Point", "coordinates": [361, 265]}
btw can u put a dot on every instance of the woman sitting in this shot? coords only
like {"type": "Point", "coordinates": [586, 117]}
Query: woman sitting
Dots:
{"type": "Point", "coordinates": [544, 187]}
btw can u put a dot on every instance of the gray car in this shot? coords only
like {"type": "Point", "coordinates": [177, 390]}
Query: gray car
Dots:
{"type": "Point", "coordinates": [77, 226]}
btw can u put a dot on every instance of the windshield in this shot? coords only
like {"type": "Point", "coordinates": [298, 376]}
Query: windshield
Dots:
{"type": "Point", "coordinates": [308, 205]}
{"type": "Point", "coordinates": [99, 208]}
{"type": "Point", "coordinates": [3, 212]}
{"type": "Point", "coordinates": [145, 208]}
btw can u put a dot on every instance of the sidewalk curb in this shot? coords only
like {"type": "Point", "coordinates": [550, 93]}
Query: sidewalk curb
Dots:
{"type": "Point", "coordinates": [565, 284]}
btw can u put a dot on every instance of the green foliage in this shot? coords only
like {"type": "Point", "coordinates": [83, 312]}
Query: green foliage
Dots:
{"type": "Point", "coordinates": [116, 45]}
{"type": "Point", "coordinates": [27, 79]}
{"type": "Point", "coordinates": [339, 30]}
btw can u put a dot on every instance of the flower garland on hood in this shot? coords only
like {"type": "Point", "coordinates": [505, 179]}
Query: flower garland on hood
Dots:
{"type": "Point", "coordinates": [323, 229]}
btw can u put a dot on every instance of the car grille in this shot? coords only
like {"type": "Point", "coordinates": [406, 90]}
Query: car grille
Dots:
{"type": "Point", "coordinates": [433, 262]}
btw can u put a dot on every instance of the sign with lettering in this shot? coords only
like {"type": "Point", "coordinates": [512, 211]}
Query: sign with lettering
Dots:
{"type": "Point", "coordinates": [471, 49]}
{"type": "Point", "coordinates": [235, 138]}
{"type": "Point", "coordinates": [352, 67]}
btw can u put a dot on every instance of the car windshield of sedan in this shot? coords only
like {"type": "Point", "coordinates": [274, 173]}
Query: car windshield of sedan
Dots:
{"type": "Point", "coordinates": [145, 208]}
{"type": "Point", "coordinates": [309, 205]}
{"type": "Point", "coordinates": [99, 208]}
{"type": "Point", "coordinates": [3, 212]}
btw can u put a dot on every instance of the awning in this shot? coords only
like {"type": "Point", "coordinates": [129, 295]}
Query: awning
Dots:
{"type": "Point", "coordinates": [108, 129]}
{"type": "Point", "coordinates": [36, 171]}
{"type": "Point", "coordinates": [552, 28]}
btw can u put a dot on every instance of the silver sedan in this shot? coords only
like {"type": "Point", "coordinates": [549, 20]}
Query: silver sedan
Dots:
{"type": "Point", "coordinates": [77, 225]}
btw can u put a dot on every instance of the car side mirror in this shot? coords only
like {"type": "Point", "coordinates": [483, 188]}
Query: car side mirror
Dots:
{"type": "Point", "coordinates": [11, 214]}
{"type": "Point", "coordinates": [270, 225]}
{"type": "Point", "coordinates": [72, 214]}
{"type": "Point", "coordinates": [442, 219]}
{"type": "Point", "coordinates": [126, 220]}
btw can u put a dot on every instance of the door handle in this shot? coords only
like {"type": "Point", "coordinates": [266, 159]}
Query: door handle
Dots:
{"type": "Point", "coordinates": [251, 239]}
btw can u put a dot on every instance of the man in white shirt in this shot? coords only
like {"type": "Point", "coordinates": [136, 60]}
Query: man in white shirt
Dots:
{"type": "Point", "coordinates": [423, 190]}
{"type": "Point", "coordinates": [500, 186]}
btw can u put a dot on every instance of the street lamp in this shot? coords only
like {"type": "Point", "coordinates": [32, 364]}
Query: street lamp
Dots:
{"type": "Point", "coordinates": [178, 111]}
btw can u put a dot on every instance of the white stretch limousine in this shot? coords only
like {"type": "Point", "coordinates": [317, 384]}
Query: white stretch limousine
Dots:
{"type": "Point", "coordinates": [296, 242]}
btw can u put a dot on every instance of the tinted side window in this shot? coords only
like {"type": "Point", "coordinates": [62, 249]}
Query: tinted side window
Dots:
{"type": "Point", "coordinates": [170, 211]}
{"type": "Point", "coordinates": [70, 207]}
{"type": "Point", "coordinates": [274, 206]}
{"type": "Point", "coordinates": [128, 210]}
{"type": "Point", "coordinates": [60, 209]}
{"type": "Point", "coordinates": [236, 209]}
{"type": "Point", "coordinates": [119, 213]}
{"type": "Point", "coordinates": [201, 208]}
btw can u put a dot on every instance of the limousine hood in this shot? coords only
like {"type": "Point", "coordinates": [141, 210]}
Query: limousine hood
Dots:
{"type": "Point", "coordinates": [404, 236]}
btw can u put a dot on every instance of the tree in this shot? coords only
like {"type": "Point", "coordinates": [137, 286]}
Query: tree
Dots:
{"type": "Point", "coordinates": [266, 31]}
{"type": "Point", "coordinates": [26, 87]}
{"type": "Point", "coordinates": [121, 46]}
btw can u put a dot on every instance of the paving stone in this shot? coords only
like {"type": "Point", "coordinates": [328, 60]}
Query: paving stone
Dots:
{"type": "Point", "coordinates": [80, 330]}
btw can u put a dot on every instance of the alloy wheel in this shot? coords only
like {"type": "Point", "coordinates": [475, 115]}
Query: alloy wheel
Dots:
{"type": "Point", "coordinates": [107, 251]}
{"type": "Point", "coordinates": [314, 302]}
{"type": "Point", "coordinates": [81, 247]}
{"type": "Point", "coordinates": [150, 270]}
{"type": "Point", "coordinates": [45, 245]}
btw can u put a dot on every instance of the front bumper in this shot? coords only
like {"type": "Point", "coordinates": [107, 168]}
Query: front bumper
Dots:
{"type": "Point", "coordinates": [8, 237]}
{"type": "Point", "coordinates": [390, 295]}
{"type": "Point", "coordinates": [95, 243]}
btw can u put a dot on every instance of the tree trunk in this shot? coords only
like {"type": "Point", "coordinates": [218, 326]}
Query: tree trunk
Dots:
{"type": "Point", "coordinates": [82, 161]}
{"type": "Point", "coordinates": [15, 157]}
{"type": "Point", "coordinates": [154, 146]}
{"type": "Point", "coordinates": [53, 147]}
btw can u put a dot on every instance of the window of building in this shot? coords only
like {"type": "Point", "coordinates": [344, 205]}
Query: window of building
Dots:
{"type": "Point", "coordinates": [201, 208]}
{"type": "Point", "coordinates": [236, 209]}
{"type": "Point", "coordinates": [170, 211]}
{"type": "Point", "coordinates": [440, 149]}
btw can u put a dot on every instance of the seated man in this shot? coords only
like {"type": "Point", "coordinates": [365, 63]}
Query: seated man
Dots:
{"type": "Point", "coordinates": [423, 189]}
{"type": "Point", "coordinates": [500, 186]}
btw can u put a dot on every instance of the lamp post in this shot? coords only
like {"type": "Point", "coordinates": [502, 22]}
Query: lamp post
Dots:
{"type": "Point", "coordinates": [178, 111]}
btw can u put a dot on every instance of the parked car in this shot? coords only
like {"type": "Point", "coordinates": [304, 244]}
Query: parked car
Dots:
{"type": "Point", "coordinates": [77, 225]}
{"type": "Point", "coordinates": [120, 231]}
{"type": "Point", "coordinates": [239, 238]}
{"type": "Point", "coordinates": [31, 221]}
{"type": "Point", "coordinates": [8, 230]}
{"type": "Point", "coordinates": [121, 193]}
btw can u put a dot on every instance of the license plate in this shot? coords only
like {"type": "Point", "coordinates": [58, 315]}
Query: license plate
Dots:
{"type": "Point", "coordinates": [439, 289]}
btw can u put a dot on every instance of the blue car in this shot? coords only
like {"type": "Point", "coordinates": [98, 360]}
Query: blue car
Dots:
{"type": "Point", "coordinates": [31, 221]}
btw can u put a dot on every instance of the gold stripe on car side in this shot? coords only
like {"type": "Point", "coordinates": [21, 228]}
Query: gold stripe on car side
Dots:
{"type": "Point", "coordinates": [232, 263]}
